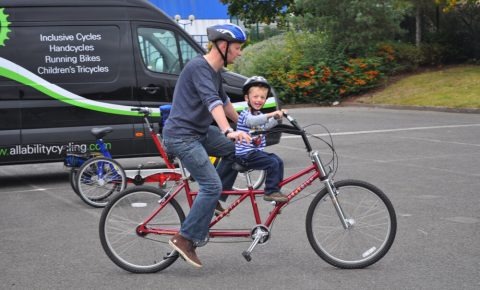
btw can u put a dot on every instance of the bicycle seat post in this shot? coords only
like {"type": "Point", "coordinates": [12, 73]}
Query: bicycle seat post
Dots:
{"type": "Point", "coordinates": [249, 179]}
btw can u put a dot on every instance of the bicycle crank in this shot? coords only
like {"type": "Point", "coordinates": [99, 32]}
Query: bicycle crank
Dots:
{"type": "Point", "coordinates": [260, 234]}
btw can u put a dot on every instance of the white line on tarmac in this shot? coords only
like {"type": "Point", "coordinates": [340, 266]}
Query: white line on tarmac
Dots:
{"type": "Point", "coordinates": [440, 141]}
{"type": "Point", "coordinates": [64, 199]}
{"type": "Point", "coordinates": [388, 130]}
{"type": "Point", "coordinates": [26, 190]}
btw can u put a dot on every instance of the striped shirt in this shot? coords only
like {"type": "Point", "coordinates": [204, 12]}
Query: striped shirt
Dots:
{"type": "Point", "coordinates": [246, 122]}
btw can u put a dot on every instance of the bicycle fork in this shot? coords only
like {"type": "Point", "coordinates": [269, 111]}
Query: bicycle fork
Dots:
{"type": "Point", "coordinates": [332, 191]}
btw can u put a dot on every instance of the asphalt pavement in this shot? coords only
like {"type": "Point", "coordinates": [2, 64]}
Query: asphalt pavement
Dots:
{"type": "Point", "coordinates": [426, 162]}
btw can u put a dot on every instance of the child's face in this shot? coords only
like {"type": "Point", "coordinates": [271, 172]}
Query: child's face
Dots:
{"type": "Point", "coordinates": [257, 97]}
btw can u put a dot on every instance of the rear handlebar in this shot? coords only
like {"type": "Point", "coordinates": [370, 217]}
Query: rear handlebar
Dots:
{"type": "Point", "coordinates": [294, 129]}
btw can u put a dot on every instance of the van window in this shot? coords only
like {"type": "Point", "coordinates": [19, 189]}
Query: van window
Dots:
{"type": "Point", "coordinates": [160, 50]}
{"type": "Point", "coordinates": [188, 52]}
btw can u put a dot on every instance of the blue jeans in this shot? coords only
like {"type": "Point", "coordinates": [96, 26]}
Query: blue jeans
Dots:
{"type": "Point", "coordinates": [271, 163]}
{"type": "Point", "coordinates": [193, 151]}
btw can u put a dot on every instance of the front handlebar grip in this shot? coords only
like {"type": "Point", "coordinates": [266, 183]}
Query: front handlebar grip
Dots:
{"type": "Point", "coordinates": [144, 110]}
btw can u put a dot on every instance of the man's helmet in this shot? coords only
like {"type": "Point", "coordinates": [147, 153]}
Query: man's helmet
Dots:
{"type": "Point", "coordinates": [228, 32]}
{"type": "Point", "coordinates": [256, 81]}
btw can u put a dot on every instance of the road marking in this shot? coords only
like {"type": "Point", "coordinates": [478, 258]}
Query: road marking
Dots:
{"type": "Point", "coordinates": [27, 190]}
{"type": "Point", "coordinates": [387, 130]}
{"type": "Point", "coordinates": [440, 141]}
{"type": "Point", "coordinates": [423, 232]}
{"type": "Point", "coordinates": [67, 200]}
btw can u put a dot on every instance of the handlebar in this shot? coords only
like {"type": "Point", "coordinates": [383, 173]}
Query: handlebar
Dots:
{"type": "Point", "coordinates": [292, 121]}
{"type": "Point", "coordinates": [143, 110]}
{"type": "Point", "coordinates": [294, 129]}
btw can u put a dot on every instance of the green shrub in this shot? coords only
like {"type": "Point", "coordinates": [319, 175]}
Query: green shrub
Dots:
{"type": "Point", "coordinates": [403, 57]}
{"type": "Point", "coordinates": [302, 69]}
{"type": "Point", "coordinates": [268, 58]}
{"type": "Point", "coordinates": [327, 83]}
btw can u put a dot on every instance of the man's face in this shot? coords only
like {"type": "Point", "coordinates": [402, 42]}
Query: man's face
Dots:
{"type": "Point", "coordinates": [234, 51]}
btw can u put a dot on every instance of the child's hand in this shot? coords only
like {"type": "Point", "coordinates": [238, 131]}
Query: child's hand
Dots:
{"type": "Point", "coordinates": [278, 114]}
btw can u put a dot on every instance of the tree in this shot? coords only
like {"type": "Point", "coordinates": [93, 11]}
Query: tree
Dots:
{"type": "Point", "coordinates": [351, 24]}
{"type": "Point", "coordinates": [260, 11]}
{"type": "Point", "coordinates": [468, 14]}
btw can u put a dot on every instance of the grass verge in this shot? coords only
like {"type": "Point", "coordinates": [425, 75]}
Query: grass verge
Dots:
{"type": "Point", "coordinates": [452, 87]}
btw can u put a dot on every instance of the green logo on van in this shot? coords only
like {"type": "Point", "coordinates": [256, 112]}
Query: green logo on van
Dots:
{"type": "Point", "coordinates": [4, 30]}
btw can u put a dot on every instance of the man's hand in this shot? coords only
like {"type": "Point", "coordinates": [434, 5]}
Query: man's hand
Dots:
{"type": "Point", "coordinates": [239, 136]}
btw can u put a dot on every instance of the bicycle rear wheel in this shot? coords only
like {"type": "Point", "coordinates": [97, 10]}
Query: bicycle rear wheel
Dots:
{"type": "Point", "coordinates": [257, 178]}
{"type": "Point", "coordinates": [74, 171]}
{"type": "Point", "coordinates": [98, 178]}
{"type": "Point", "coordinates": [72, 177]}
{"type": "Point", "coordinates": [129, 250]}
{"type": "Point", "coordinates": [371, 216]}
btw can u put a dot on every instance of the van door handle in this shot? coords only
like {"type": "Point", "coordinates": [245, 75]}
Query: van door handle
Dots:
{"type": "Point", "coordinates": [150, 89]}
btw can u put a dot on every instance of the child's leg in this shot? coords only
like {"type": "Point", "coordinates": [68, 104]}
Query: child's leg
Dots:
{"type": "Point", "coordinates": [271, 163]}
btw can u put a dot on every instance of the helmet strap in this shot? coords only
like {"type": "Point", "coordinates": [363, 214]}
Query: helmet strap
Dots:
{"type": "Point", "coordinates": [224, 56]}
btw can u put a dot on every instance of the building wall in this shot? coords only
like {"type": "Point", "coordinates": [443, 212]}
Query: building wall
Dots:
{"type": "Point", "coordinates": [206, 12]}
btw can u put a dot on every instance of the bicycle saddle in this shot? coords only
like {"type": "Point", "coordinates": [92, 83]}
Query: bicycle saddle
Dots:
{"type": "Point", "coordinates": [99, 133]}
{"type": "Point", "coordinates": [238, 167]}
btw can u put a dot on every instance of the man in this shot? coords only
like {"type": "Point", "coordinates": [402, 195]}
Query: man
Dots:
{"type": "Point", "coordinates": [198, 99]}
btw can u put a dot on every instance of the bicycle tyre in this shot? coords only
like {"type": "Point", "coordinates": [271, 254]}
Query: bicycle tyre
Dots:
{"type": "Point", "coordinates": [72, 177]}
{"type": "Point", "coordinates": [119, 220]}
{"type": "Point", "coordinates": [373, 231]}
{"type": "Point", "coordinates": [257, 178]}
{"type": "Point", "coordinates": [96, 190]}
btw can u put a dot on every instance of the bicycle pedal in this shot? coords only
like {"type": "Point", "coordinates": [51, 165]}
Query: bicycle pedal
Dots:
{"type": "Point", "coordinates": [247, 256]}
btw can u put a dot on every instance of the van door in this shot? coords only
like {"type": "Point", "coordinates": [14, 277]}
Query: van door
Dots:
{"type": "Point", "coordinates": [10, 121]}
{"type": "Point", "coordinates": [75, 60]}
{"type": "Point", "coordinates": [161, 51]}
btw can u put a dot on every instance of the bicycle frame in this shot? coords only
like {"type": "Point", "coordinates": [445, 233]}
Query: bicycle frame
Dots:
{"type": "Point", "coordinates": [157, 175]}
{"type": "Point", "coordinates": [243, 195]}
{"type": "Point", "coordinates": [317, 167]}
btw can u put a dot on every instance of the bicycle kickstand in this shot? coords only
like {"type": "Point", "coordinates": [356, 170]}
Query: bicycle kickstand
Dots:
{"type": "Point", "coordinates": [259, 236]}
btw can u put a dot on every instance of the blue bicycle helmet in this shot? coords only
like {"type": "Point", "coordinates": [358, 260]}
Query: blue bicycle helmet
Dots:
{"type": "Point", "coordinates": [226, 32]}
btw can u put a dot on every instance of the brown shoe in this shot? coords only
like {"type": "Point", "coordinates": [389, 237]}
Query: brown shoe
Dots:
{"type": "Point", "coordinates": [186, 249]}
{"type": "Point", "coordinates": [276, 196]}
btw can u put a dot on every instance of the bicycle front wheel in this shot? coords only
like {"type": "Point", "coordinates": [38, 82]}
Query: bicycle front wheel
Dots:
{"type": "Point", "coordinates": [131, 251]}
{"type": "Point", "coordinates": [98, 178]}
{"type": "Point", "coordinates": [372, 221]}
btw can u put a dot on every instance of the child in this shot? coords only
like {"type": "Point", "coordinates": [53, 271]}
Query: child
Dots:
{"type": "Point", "coordinates": [251, 155]}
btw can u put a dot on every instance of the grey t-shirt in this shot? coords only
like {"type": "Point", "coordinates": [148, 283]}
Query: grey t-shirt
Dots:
{"type": "Point", "coordinates": [198, 91]}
